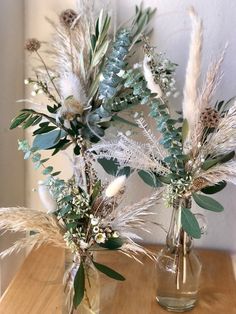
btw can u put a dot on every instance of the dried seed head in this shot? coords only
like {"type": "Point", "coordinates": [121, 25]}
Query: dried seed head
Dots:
{"type": "Point", "coordinates": [210, 117]}
{"type": "Point", "coordinates": [68, 17]}
{"type": "Point", "coordinates": [32, 44]}
{"type": "Point", "coordinates": [199, 183]}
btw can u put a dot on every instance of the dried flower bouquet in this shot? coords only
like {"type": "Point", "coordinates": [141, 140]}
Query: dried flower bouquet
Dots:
{"type": "Point", "coordinates": [85, 91]}
{"type": "Point", "coordinates": [194, 154]}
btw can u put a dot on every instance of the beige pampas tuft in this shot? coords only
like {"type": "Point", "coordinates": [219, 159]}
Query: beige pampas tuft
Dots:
{"type": "Point", "coordinates": [46, 228]}
{"type": "Point", "coordinates": [46, 198]}
{"type": "Point", "coordinates": [151, 84]}
{"type": "Point", "coordinates": [193, 70]}
{"type": "Point", "coordinates": [115, 186]}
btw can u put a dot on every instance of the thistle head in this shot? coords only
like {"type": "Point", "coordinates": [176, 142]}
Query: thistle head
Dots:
{"type": "Point", "coordinates": [68, 17]}
{"type": "Point", "coordinates": [32, 45]}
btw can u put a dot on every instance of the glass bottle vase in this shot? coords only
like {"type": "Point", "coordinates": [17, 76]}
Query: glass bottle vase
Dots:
{"type": "Point", "coordinates": [178, 267]}
{"type": "Point", "coordinates": [91, 301]}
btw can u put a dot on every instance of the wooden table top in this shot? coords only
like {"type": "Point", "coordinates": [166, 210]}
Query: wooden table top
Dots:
{"type": "Point", "coordinates": [37, 288]}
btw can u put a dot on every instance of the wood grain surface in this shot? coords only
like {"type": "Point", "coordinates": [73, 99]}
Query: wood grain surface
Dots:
{"type": "Point", "coordinates": [37, 288]}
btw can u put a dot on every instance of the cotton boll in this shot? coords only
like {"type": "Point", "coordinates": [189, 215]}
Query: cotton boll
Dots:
{"type": "Point", "coordinates": [46, 198]}
{"type": "Point", "coordinates": [154, 87]}
{"type": "Point", "coordinates": [115, 186]}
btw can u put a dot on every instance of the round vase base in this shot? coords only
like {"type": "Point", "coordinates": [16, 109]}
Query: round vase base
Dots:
{"type": "Point", "coordinates": [176, 304]}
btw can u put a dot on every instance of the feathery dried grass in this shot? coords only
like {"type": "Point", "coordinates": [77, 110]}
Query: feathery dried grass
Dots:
{"type": "Point", "coordinates": [131, 153]}
{"type": "Point", "coordinates": [45, 226]}
{"type": "Point", "coordinates": [220, 172]}
{"type": "Point", "coordinates": [129, 220]}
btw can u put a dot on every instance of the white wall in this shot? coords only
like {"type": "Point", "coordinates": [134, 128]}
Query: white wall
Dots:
{"type": "Point", "coordinates": [171, 35]}
{"type": "Point", "coordinates": [11, 89]}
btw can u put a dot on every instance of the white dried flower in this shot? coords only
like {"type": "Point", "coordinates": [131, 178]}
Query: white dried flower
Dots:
{"type": "Point", "coordinates": [128, 133]}
{"type": "Point", "coordinates": [94, 221]}
{"type": "Point", "coordinates": [100, 238]}
{"type": "Point", "coordinates": [96, 229]}
{"type": "Point", "coordinates": [83, 245]}
{"type": "Point", "coordinates": [46, 198]}
{"type": "Point", "coordinates": [115, 186]}
{"type": "Point", "coordinates": [26, 82]}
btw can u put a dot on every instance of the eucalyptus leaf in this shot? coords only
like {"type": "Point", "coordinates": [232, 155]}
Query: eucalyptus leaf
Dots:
{"type": "Point", "coordinates": [48, 170]}
{"type": "Point", "coordinates": [109, 272]}
{"type": "Point", "coordinates": [207, 202]}
{"type": "Point", "coordinates": [79, 286]}
{"type": "Point", "coordinates": [48, 140]}
{"type": "Point", "coordinates": [190, 223]}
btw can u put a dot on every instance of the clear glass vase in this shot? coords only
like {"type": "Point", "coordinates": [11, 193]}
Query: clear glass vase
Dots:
{"type": "Point", "coordinates": [178, 267]}
{"type": "Point", "coordinates": [91, 300]}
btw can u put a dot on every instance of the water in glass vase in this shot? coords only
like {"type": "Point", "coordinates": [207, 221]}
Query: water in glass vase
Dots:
{"type": "Point", "coordinates": [178, 269]}
{"type": "Point", "coordinates": [91, 301]}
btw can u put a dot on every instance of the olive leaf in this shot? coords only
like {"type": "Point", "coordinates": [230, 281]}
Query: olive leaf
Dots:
{"type": "Point", "coordinates": [109, 272]}
{"type": "Point", "coordinates": [79, 286]}
{"type": "Point", "coordinates": [190, 223]}
{"type": "Point", "coordinates": [207, 202]}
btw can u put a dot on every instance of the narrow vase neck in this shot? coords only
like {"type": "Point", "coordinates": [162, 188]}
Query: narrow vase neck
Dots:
{"type": "Point", "coordinates": [176, 234]}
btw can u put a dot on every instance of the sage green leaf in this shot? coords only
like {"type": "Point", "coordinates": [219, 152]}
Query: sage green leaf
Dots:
{"type": "Point", "coordinates": [48, 140]}
{"type": "Point", "coordinates": [79, 286]}
{"type": "Point", "coordinates": [110, 166]}
{"type": "Point", "coordinates": [29, 122]}
{"type": "Point", "coordinates": [207, 202]}
{"type": "Point", "coordinates": [185, 130]}
{"type": "Point", "coordinates": [125, 171]}
{"type": "Point", "coordinates": [109, 272]}
{"type": "Point", "coordinates": [112, 243]}
{"type": "Point", "coordinates": [149, 178]}
{"type": "Point", "coordinates": [100, 53]}
{"type": "Point", "coordinates": [209, 163]}
{"type": "Point", "coordinates": [190, 223]}
{"type": "Point", "coordinates": [48, 170]}
{"type": "Point", "coordinates": [227, 157]}
{"type": "Point", "coordinates": [19, 119]}
{"type": "Point", "coordinates": [215, 188]}
{"type": "Point", "coordinates": [221, 159]}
